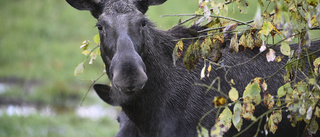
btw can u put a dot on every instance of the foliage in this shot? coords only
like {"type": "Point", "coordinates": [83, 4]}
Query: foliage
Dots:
{"type": "Point", "coordinates": [289, 20]}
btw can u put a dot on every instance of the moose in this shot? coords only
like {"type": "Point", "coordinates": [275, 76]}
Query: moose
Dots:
{"type": "Point", "coordinates": [159, 99]}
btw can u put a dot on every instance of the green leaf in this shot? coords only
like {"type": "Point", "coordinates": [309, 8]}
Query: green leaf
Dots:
{"type": "Point", "coordinates": [236, 118]}
{"type": "Point", "coordinates": [316, 65]}
{"type": "Point", "coordinates": [202, 132]}
{"type": "Point", "coordinates": [274, 120]}
{"type": "Point", "coordinates": [233, 94]}
{"type": "Point", "coordinates": [223, 123]}
{"type": "Point", "coordinates": [205, 47]}
{"type": "Point", "coordinates": [281, 92]}
{"type": "Point", "coordinates": [79, 69]}
{"type": "Point", "coordinates": [314, 126]}
{"type": "Point", "coordinates": [252, 90]}
{"type": "Point", "coordinates": [191, 56]}
{"type": "Point", "coordinates": [242, 5]}
{"type": "Point", "coordinates": [312, 2]}
{"type": "Point", "coordinates": [96, 39]}
{"type": "Point", "coordinates": [285, 48]}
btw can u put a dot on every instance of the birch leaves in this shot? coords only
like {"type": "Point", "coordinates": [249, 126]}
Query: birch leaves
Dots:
{"type": "Point", "coordinates": [89, 53]}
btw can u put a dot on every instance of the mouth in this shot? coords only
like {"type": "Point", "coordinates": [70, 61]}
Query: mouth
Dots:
{"type": "Point", "coordinates": [130, 89]}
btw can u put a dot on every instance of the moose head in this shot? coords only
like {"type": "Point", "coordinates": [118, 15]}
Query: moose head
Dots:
{"type": "Point", "coordinates": [123, 29]}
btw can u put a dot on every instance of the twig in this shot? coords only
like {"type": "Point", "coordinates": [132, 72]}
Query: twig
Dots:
{"type": "Point", "coordinates": [198, 15]}
{"type": "Point", "coordinates": [93, 82]}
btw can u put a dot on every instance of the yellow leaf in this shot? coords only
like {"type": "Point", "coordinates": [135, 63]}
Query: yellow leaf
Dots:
{"type": "Point", "coordinates": [285, 49]}
{"type": "Point", "coordinates": [86, 52]}
{"type": "Point", "coordinates": [96, 39]}
{"type": "Point", "coordinates": [209, 70]}
{"type": "Point", "coordinates": [219, 101]}
{"type": "Point", "coordinates": [233, 94]}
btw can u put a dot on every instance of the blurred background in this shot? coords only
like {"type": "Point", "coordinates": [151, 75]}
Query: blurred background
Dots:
{"type": "Point", "coordinates": [39, 49]}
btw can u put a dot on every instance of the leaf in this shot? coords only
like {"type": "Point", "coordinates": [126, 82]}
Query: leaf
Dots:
{"type": "Point", "coordinates": [191, 56]}
{"type": "Point", "coordinates": [234, 44]}
{"type": "Point", "coordinates": [242, 5]}
{"type": "Point", "coordinates": [247, 110]}
{"type": "Point", "coordinates": [281, 92]}
{"type": "Point", "coordinates": [236, 118]}
{"type": "Point", "coordinates": [312, 2]}
{"type": "Point", "coordinates": [257, 23]}
{"type": "Point", "coordinates": [209, 70]}
{"type": "Point", "coordinates": [285, 48]}
{"type": "Point", "coordinates": [266, 28]}
{"type": "Point", "coordinates": [268, 101]}
{"type": "Point", "coordinates": [177, 51]}
{"type": "Point", "coordinates": [274, 119]}
{"type": "Point", "coordinates": [93, 56]}
{"type": "Point", "coordinates": [223, 123]}
{"type": "Point", "coordinates": [85, 45]}
{"type": "Point", "coordinates": [85, 52]}
{"type": "Point", "coordinates": [219, 101]}
{"type": "Point", "coordinates": [314, 126]}
{"type": "Point", "coordinates": [212, 23]}
{"type": "Point", "coordinates": [316, 64]}
{"type": "Point", "coordinates": [205, 47]}
{"type": "Point", "coordinates": [79, 69]}
{"type": "Point", "coordinates": [215, 53]}
{"type": "Point", "coordinates": [252, 90]}
{"type": "Point", "coordinates": [203, 72]}
{"type": "Point", "coordinates": [98, 52]}
{"type": "Point", "coordinates": [242, 41]}
{"type": "Point", "coordinates": [96, 39]}
{"type": "Point", "coordinates": [233, 94]}
{"type": "Point", "coordinates": [250, 41]}
{"type": "Point", "coordinates": [309, 113]}
{"type": "Point", "coordinates": [202, 132]}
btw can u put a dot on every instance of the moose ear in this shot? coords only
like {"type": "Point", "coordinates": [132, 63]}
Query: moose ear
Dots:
{"type": "Point", "coordinates": [143, 5]}
{"type": "Point", "coordinates": [103, 92]}
{"type": "Point", "coordinates": [93, 6]}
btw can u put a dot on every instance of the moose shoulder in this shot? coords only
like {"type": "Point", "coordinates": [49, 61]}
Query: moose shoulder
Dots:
{"type": "Point", "coordinates": [159, 99]}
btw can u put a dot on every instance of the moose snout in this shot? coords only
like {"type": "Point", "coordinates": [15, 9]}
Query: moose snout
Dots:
{"type": "Point", "coordinates": [129, 80]}
{"type": "Point", "coordinates": [128, 73]}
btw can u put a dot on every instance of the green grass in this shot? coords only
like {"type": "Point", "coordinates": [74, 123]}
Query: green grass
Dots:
{"type": "Point", "coordinates": [65, 125]}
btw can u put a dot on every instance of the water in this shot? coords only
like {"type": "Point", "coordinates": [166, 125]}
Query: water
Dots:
{"type": "Point", "coordinates": [94, 112]}
{"type": "Point", "coordinates": [3, 88]}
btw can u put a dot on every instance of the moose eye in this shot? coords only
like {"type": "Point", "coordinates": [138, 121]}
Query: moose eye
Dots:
{"type": "Point", "coordinates": [99, 27]}
{"type": "Point", "coordinates": [144, 23]}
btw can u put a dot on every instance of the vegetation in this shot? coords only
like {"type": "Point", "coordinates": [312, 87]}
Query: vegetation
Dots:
{"type": "Point", "coordinates": [291, 22]}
